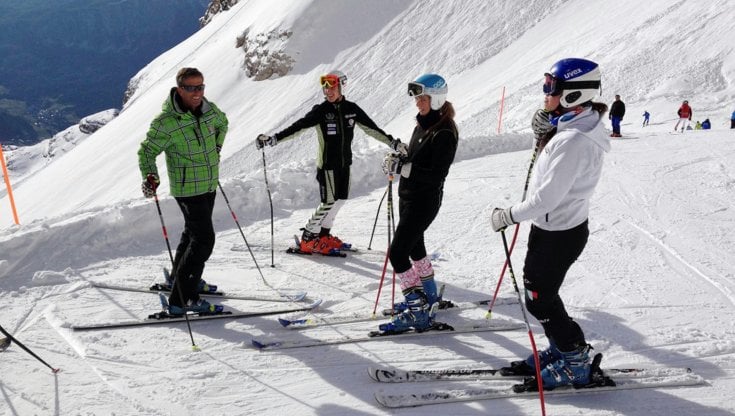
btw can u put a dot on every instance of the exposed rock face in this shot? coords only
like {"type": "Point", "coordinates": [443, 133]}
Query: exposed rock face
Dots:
{"type": "Point", "coordinates": [216, 6]}
{"type": "Point", "coordinates": [264, 56]}
{"type": "Point", "coordinates": [91, 124]}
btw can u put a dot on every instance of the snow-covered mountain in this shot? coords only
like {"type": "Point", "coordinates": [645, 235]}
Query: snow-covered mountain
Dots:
{"type": "Point", "coordinates": [654, 287]}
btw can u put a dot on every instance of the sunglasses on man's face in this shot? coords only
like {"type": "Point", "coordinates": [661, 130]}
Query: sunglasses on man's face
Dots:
{"type": "Point", "coordinates": [192, 88]}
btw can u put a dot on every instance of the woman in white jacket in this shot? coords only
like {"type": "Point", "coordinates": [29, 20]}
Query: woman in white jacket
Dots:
{"type": "Point", "coordinates": [566, 174]}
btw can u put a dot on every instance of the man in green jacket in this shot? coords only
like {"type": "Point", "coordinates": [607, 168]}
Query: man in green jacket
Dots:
{"type": "Point", "coordinates": [190, 131]}
{"type": "Point", "coordinates": [335, 119]}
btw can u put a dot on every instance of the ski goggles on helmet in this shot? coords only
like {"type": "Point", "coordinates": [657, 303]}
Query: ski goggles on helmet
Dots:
{"type": "Point", "coordinates": [328, 81]}
{"type": "Point", "coordinates": [415, 89]}
{"type": "Point", "coordinates": [552, 86]}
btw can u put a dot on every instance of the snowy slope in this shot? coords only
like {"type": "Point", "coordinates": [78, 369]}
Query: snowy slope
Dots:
{"type": "Point", "coordinates": [654, 287]}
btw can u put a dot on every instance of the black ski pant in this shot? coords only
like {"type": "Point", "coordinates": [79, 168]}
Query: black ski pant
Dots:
{"type": "Point", "coordinates": [408, 242]}
{"type": "Point", "coordinates": [195, 247]}
{"type": "Point", "coordinates": [549, 256]}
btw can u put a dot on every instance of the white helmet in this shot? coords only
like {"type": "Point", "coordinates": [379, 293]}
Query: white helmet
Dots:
{"type": "Point", "coordinates": [432, 85]}
{"type": "Point", "coordinates": [576, 80]}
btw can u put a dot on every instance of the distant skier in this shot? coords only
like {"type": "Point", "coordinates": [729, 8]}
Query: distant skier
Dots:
{"type": "Point", "coordinates": [421, 188]}
{"type": "Point", "coordinates": [732, 120]}
{"type": "Point", "coordinates": [646, 117]}
{"type": "Point", "coordinates": [685, 116]}
{"type": "Point", "coordinates": [706, 125]}
{"type": "Point", "coordinates": [566, 174]}
{"type": "Point", "coordinates": [617, 111]}
{"type": "Point", "coordinates": [190, 131]}
{"type": "Point", "coordinates": [335, 119]}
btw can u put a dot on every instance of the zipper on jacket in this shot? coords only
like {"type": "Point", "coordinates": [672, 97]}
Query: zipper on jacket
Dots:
{"type": "Point", "coordinates": [341, 132]}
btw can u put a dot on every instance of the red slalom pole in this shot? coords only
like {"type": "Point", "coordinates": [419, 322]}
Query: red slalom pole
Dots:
{"type": "Point", "coordinates": [502, 105]}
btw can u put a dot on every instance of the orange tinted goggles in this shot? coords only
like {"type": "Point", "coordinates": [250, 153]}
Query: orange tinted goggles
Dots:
{"type": "Point", "coordinates": [328, 81]}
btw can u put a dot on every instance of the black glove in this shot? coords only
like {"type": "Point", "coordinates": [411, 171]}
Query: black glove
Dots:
{"type": "Point", "coordinates": [501, 218]}
{"type": "Point", "coordinates": [150, 184]}
{"type": "Point", "coordinates": [399, 147]}
{"type": "Point", "coordinates": [540, 123]}
{"type": "Point", "coordinates": [262, 140]}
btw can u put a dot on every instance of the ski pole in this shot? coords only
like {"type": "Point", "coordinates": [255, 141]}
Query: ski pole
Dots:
{"type": "Point", "coordinates": [28, 350]}
{"type": "Point", "coordinates": [270, 199]}
{"type": "Point", "coordinates": [528, 326]}
{"type": "Point", "coordinates": [174, 271]}
{"type": "Point", "coordinates": [515, 231]}
{"type": "Point", "coordinates": [387, 251]}
{"type": "Point", "coordinates": [391, 226]}
{"type": "Point", "coordinates": [375, 223]}
{"type": "Point", "coordinates": [234, 217]}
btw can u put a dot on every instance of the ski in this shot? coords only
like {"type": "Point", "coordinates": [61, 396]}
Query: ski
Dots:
{"type": "Point", "coordinates": [264, 345]}
{"type": "Point", "coordinates": [449, 305]}
{"type": "Point", "coordinates": [283, 297]}
{"type": "Point", "coordinates": [644, 379]}
{"type": "Point", "coordinates": [307, 321]}
{"type": "Point", "coordinates": [396, 375]}
{"type": "Point", "coordinates": [163, 318]}
{"type": "Point", "coordinates": [4, 344]}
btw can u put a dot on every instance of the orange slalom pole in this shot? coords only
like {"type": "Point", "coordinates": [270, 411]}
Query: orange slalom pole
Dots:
{"type": "Point", "coordinates": [502, 104]}
{"type": "Point", "coordinates": [8, 187]}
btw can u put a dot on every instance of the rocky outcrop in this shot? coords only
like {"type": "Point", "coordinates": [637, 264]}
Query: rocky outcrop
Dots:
{"type": "Point", "coordinates": [264, 54]}
{"type": "Point", "coordinates": [215, 6]}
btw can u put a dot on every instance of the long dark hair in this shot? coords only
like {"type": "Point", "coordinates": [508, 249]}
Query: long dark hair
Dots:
{"type": "Point", "coordinates": [446, 119]}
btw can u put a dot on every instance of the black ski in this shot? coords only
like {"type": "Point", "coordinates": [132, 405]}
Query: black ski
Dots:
{"type": "Point", "coordinates": [164, 318]}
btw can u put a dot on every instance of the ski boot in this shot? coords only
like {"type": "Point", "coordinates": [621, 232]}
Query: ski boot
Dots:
{"type": "Point", "coordinates": [573, 368]}
{"type": "Point", "coordinates": [527, 367]}
{"type": "Point", "coordinates": [416, 317]}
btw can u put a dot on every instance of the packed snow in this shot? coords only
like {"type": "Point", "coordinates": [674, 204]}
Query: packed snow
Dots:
{"type": "Point", "coordinates": [654, 287]}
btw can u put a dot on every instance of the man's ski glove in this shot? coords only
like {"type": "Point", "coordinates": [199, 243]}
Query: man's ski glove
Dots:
{"type": "Point", "coordinates": [150, 184]}
{"type": "Point", "coordinates": [399, 147]}
{"type": "Point", "coordinates": [501, 218]}
{"type": "Point", "coordinates": [540, 123]}
{"type": "Point", "coordinates": [391, 164]}
{"type": "Point", "coordinates": [262, 140]}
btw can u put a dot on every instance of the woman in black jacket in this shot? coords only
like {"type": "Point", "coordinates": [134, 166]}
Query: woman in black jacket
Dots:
{"type": "Point", "coordinates": [430, 153]}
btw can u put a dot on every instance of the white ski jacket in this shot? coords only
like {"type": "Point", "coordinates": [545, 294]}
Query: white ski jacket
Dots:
{"type": "Point", "coordinates": [566, 173]}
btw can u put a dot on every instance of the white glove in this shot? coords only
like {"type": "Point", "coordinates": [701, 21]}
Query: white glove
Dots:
{"type": "Point", "coordinates": [262, 140]}
{"type": "Point", "coordinates": [406, 169]}
{"type": "Point", "coordinates": [399, 147]}
{"type": "Point", "coordinates": [501, 218]}
{"type": "Point", "coordinates": [391, 164]}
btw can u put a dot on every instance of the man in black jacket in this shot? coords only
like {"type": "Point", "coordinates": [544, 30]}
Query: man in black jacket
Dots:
{"type": "Point", "coordinates": [335, 119]}
{"type": "Point", "coordinates": [617, 111]}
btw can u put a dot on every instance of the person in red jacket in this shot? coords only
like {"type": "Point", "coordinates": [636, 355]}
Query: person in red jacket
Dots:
{"type": "Point", "coordinates": [685, 116]}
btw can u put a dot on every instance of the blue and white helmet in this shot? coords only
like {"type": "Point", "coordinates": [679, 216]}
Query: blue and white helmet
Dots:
{"type": "Point", "coordinates": [576, 80]}
{"type": "Point", "coordinates": [432, 85]}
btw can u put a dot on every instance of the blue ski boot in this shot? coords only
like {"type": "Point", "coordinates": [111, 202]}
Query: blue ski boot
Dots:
{"type": "Point", "coordinates": [172, 310]}
{"type": "Point", "coordinates": [415, 317]}
{"type": "Point", "coordinates": [573, 368]}
{"type": "Point", "coordinates": [527, 367]}
{"type": "Point", "coordinates": [203, 307]}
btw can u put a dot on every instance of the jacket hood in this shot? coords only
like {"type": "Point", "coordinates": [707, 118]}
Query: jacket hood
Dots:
{"type": "Point", "coordinates": [588, 124]}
